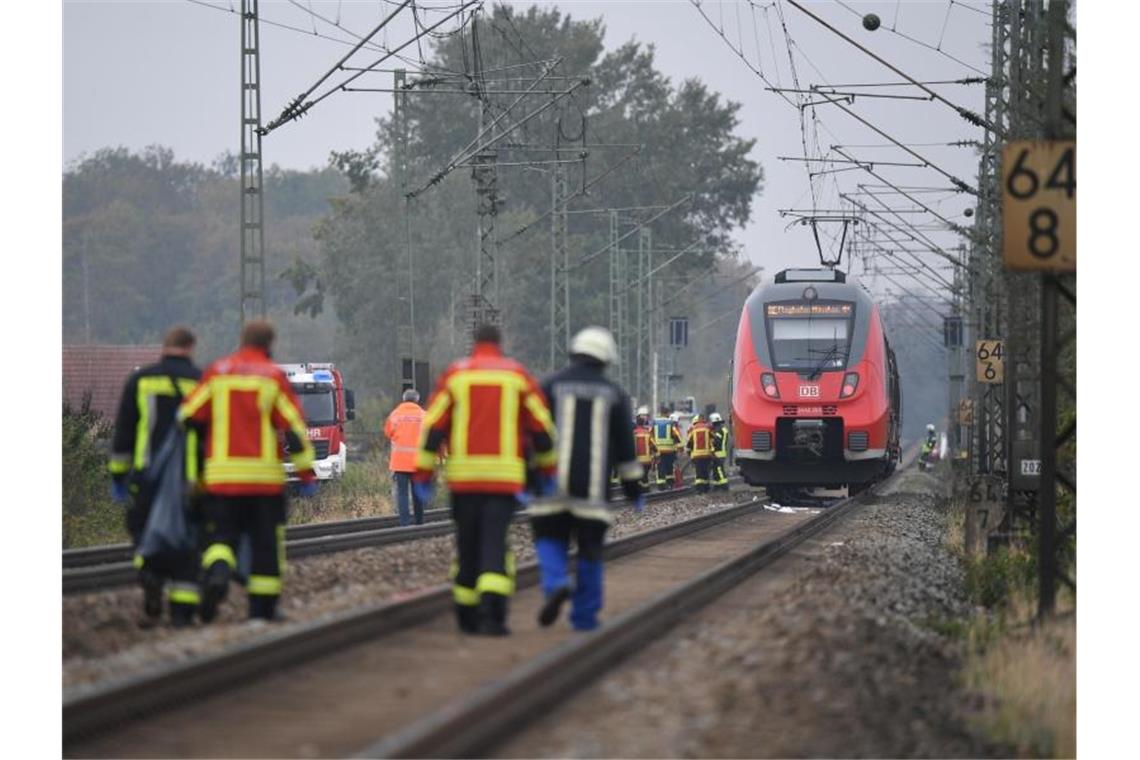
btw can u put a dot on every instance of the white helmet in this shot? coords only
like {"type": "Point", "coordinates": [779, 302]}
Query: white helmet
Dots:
{"type": "Point", "coordinates": [595, 342]}
{"type": "Point", "coordinates": [930, 428]}
{"type": "Point", "coordinates": [675, 416]}
{"type": "Point", "coordinates": [715, 417]}
{"type": "Point", "coordinates": [642, 411]}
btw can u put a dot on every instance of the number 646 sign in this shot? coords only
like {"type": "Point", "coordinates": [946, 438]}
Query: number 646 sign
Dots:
{"type": "Point", "coordinates": [1039, 205]}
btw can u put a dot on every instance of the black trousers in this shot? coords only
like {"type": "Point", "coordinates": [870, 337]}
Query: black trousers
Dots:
{"type": "Point", "coordinates": [261, 520]}
{"type": "Point", "coordinates": [178, 570]}
{"type": "Point", "coordinates": [702, 465]}
{"type": "Point", "coordinates": [484, 574]}
{"type": "Point", "coordinates": [665, 462]}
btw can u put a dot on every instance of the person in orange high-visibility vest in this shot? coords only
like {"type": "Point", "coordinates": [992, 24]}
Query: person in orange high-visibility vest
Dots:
{"type": "Point", "coordinates": [643, 445]}
{"type": "Point", "coordinates": [244, 401]}
{"type": "Point", "coordinates": [489, 411]}
{"type": "Point", "coordinates": [403, 431]}
{"type": "Point", "coordinates": [700, 446]}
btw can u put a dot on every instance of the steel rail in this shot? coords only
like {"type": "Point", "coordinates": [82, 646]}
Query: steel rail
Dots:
{"type": "Point", "coordinates": [92, 710]}
{"type": "Point", "coordinates": [305, 540]}
{"type": "Point", "coordinates": [475, 722]}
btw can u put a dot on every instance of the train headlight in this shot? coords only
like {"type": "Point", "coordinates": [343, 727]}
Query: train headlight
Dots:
{"type": "Point", "coordinates": [768, 380]}
{"type": "Point", "coordinates": [850, 384]}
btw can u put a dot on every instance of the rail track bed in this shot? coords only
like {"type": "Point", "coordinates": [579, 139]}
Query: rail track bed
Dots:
{"type": "Point", "coordinates": [415, 663]}
{"type": "Point", "coordinates": [102, 641]}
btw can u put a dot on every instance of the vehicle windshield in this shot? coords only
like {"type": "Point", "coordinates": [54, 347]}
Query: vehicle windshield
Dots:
{"type": "Point", "coordinates": [802, 341]}
{"type": "Point", "coordinates": [318, 406]}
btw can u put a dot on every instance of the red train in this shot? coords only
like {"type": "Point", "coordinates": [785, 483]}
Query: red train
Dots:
{"type": "Point", "coordinates": [815, 390]}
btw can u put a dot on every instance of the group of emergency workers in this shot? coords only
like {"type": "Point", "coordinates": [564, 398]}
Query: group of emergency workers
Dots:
{"type": "Point", "coordinates": [502, 440]}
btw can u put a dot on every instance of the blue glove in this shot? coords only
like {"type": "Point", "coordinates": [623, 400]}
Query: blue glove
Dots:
{"type": "Point", "coordinates": [639, 504]}
{"type": "Point", "coordinates": [547, 485]}
{"type": "Point", "coordinates": [308, 489]}
{"type": "Point", "coordinates": [119, 493]}
{"type": "Point", "coordinates": [424, 491]}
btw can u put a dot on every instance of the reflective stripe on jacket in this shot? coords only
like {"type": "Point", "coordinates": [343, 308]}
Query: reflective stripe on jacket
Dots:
{"type": "Point", "coordinates": [246, 400]}
{"type": "Point", "coordinates": [485, 409]}
{"type": "Point", "coordinates": [700, 441]}
{"type": "Point", "coordinates": [720, 441]}
{"type": "Point", "coordinates": [403, 431]}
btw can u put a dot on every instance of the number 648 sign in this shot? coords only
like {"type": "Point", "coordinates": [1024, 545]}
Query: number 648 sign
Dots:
{"type": "Point", "coordinates": [1039, 205]}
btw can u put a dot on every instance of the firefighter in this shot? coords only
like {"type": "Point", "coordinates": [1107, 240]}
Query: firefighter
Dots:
{"type": "Point", "coordinates": [594, 435]}
{"type": "Point", "coordinates": [699, 445]}
{"type": "Point", "coordinates": [488, 410]}
{"type": "Point", "coordinates": [643, 445]}
{"type": "Point", "coordinates": [666, 439]}
{"type": "Point", "coordinates": [149, 401]}
{"type": "Point", "coordinates": [402, 428]}
{"type": "Point", "coordinates": [245, 401]}
{"type": "Point", "coordinates": [718, 476]}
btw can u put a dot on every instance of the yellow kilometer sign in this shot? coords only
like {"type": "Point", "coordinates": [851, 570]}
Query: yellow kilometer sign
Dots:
{"type": "Point", "coordinates": [991, 361]}
{"type": "Point", "coordinates": [966, 411]}
{"type": "Point", "coordinates": [1039, 205]}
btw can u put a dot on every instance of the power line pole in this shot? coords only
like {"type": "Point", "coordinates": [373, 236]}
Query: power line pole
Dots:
{"type": "Point", "coordinates": [405, 276]}
{"type": "Point", "coordinates": [485, 175]}
{"type": "Point", "coordinates": [252, 203]}
{"type": "Point", "coordinates": [559, 269]}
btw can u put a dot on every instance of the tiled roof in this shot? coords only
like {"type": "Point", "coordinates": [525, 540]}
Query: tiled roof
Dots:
{"type": "Point", "coordinates": [102, 369]}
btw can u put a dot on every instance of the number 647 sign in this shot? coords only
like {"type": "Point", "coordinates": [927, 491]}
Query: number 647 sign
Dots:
{"type": "Point", "coordinates": [1039, 205]}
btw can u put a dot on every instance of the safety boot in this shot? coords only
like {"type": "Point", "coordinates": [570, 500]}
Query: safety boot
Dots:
{"type": "Point", "coordinates": [262, 607]}
{"type": "Point", "coordinates": [468, 618]}
{"type": "Point", "coordinates": [214, 588]}
{"type": "Point", "coordinates": [152, 598]}
{"type": "Point", "coordinates": [492, 615]}
{"type": "Point", "coordinates": [553, 606]}
{"type": "Point", "coordinates": [181, 615]}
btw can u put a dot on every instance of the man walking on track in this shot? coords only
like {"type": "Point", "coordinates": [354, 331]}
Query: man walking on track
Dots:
{"type": "Point", "coordinates": [403, 431]}
{"type": "Point", "coordinates": [244, 401]}
{"type": "Point", "coordinates": [488, 411]}
{"type": "Point", "coordinates": [594, 436]}
{"type": "Point", "coordinates": [145, 418]}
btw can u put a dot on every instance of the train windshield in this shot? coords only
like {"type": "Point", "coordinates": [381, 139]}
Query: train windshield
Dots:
{"type": "Point", "coordinates": [810, 338]}
{"type": "Point", "coordinates": [318, 404]}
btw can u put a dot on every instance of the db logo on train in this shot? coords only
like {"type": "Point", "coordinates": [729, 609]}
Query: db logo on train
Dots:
{"type": "Point", "coordinates": [809, 391]}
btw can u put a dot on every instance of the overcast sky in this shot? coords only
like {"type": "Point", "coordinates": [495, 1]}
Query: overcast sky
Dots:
{"type": "Point", "coordinates": [138, 72]}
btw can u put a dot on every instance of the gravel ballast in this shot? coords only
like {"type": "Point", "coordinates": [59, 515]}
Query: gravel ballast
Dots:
{"type": "Point", "coordinates": [102, 640]}
{"type": "Point", "coordinates": [835, 653]}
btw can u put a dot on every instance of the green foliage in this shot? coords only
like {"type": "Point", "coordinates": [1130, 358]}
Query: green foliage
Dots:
{"type": "Point", "coordinates": [995, 577]}
{"type": "Point", "coordinates": [89, 515]}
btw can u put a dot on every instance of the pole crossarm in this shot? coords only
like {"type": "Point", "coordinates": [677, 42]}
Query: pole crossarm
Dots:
{"type": "Point", "coordinates": [618, 240]}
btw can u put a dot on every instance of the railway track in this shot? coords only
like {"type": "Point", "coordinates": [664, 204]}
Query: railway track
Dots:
{"type": "Point", "coordinates": [103, 567]}
{"type": "Point", "coordinates": [383, 649]}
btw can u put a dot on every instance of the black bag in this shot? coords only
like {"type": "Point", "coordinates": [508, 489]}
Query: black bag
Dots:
{"type": "Point", "coordinates": [168, 529]}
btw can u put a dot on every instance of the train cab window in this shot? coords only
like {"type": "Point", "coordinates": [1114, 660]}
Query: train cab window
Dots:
{"type": "Point", "coordinates": [809, 338]}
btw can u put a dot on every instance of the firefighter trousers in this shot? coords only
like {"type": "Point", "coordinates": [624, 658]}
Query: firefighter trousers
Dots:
{"type": "Point", "coordinates": [484, 574]}
{"type": "Point", "coordinates": [177, 571]}
{"type": "Point", "coordinates": [260, 520]}
{"type": "Point", "coordinates": [702, 465]}
{"type": "Point", "coordinates": [647, 469]}
{"type": "Point", "coordinates": [717, 476]}
{"type": "Point", "coordinates": [665, 463]}
{"type": "Point", "coordinates": [552, 535]}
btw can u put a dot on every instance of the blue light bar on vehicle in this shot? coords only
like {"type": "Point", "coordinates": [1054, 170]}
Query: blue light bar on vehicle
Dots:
{"type": "Point", "coordinates": [323, 376]}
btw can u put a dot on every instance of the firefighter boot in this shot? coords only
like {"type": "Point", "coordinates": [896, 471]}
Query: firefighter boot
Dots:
{"type": "Point", "coordinates": [555, 581]}
{"type": "Point", "coordinates": [263, 606]}
{"type": "Point", "coordinates": [467, 617]}
{"type": "Point", "coordinates": [492, 615]}
{"type": "Point", "coordinates": [152, 598]}
{"type": "Point", "coordinates": [587, 595]}
{"type": "Point", "coordinates": [214, 588]}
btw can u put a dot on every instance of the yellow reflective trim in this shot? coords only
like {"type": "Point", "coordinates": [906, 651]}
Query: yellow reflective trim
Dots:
{"type": "Point", "coordinates": [219, 553]}
{"type": "Point", "coordinates": [219, 427]}
{"type": "Point", "coordinates": [192, 456]}
{"type": "Point", "coordinates": [266, 403]}
{"type": "Point", "coordinates": [138, 561]}
{"type": "Point", "coordinates": [540, 412]}
{"type": "Point", "coordinates": [485, 467]}
{"type": "Point", "coordinates": [304, 458]}
{"type": "Point", "coordinates": [264, 585]}
{"type": "Point", "coordinates": [509, 419]}
{"type": "Point", "coordinates": [459, 385]}
{"type": "Point", "coordinates": [187, 594]}
{"type": "Point", "coordinates": [453, 570]}
{"type": "Point", "coordinates": [425, 460]}
{"type": "Point", "coordinates": [460, 389]}
{"type": "Point", "coordinates": [120, 464]}
{"type": "Point", "coordinates": [279, 531]}
{"type": "Point", "coordinates": [494, 583]}
{"type": "Point", "coordinates": [467, 597]}
{"type": "Point", "coordinates": [192, 403]}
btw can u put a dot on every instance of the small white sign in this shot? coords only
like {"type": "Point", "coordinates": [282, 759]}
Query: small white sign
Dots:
{"type": "Point", "coordinates": [1030, 466]}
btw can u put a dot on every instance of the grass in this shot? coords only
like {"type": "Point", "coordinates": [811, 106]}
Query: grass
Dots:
{"type": "Point", "coordinates": [1025, 670]}
{"type": "Point", "coordinates": [364, 491]}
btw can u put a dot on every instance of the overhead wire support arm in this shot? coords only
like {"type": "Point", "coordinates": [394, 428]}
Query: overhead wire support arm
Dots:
{"type": "Point", "coordinates": [965, 113]}
{"type": "Point", "coordinates": [636, 228]}
{"type": "Point", "coordinates": [299, 106]}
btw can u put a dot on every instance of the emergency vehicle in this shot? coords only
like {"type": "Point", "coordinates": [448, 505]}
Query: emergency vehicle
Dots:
{"type": "Point", "coordinates": [327, 405]}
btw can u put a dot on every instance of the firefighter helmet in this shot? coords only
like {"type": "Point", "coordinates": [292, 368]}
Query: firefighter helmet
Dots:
{"type": "Point", "coordinates": [596, 343]}
{"type": "Point", "coordinates": [642, 411]}
{"type": "Point", "coordinates": [930, 428]}
{"type": "Point", "coordinates": [715, 417]}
